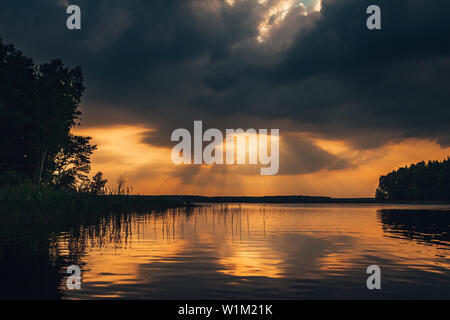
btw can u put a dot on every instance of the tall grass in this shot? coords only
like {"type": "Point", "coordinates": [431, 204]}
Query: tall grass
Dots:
{"type": "Point", "coordinates": [30, 199]}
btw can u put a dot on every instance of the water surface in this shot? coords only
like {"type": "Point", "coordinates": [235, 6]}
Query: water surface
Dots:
{"type": "Point", "coordinates": [258, 251]}
{"type": "Point", "coordinates": [271, 251]}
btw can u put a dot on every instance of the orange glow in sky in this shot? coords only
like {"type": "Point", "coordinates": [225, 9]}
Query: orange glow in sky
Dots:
{"type": "Point", "coordinates": [149, 169]}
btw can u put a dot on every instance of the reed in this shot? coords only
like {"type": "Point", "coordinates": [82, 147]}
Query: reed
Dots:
{"type": "Point", "coordinates": [30, 199]}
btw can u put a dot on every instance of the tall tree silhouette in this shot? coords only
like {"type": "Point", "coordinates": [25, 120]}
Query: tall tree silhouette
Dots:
{"type": "Point", "coordinates": [72, 163]}
{"type": "Point", "coordinates": [17, 101]}
{"type": "Point", "coordinates": [38, 108]}
{"type": "Point", "coordinates": [97, 185]}
{"type": "Point", "coordinates": [59, 94]}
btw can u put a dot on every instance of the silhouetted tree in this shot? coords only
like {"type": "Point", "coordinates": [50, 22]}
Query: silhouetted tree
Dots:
{"type": "Point", "coordinates": [17, 101]}
{"type": "Point", "coordinates": [60, 90]}
{"type": "Point", "coordinates": [420, 181]}
{"type": "Point", "coordinates": [38, 108]}
{"type": "Point", "coordinates": [72, 163]}
{"type": "Point", "coordinates": [121, 184]}
{"type": "Point", "coordinates": [97, 185]}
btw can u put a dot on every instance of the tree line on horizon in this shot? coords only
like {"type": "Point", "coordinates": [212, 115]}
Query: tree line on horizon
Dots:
{"type": "Point", "coordinates": [39, 105]}
{"type": "Point", "coordinates": [422, 181]}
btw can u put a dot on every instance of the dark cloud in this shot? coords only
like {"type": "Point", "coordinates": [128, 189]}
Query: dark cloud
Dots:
{"type": "Point", "coordinates": [165, 63]}
{"type": "Point", "coordinates": [339, 79]}
{"type": "Point", "coordinates": [300, 156]}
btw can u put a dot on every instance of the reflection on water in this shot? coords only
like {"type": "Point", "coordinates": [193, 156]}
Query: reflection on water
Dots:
{"type": "Point", "coordinates": [424, 226]}
{"type": "Point", "coordinates": [249, 251]}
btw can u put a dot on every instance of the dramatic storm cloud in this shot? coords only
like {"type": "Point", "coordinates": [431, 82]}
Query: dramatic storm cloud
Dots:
{"type": "Point", "coordinates": [311, 69]}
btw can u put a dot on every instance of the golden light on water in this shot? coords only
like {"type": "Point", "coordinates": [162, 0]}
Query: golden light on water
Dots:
{"type": "Point", "coordinates": [248, 242]}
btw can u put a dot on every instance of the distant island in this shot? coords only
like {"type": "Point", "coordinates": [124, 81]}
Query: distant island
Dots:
{"type": "Point", "coordinates": [263, 199]}
{"type": "Point", "coordinates": [418, 182]}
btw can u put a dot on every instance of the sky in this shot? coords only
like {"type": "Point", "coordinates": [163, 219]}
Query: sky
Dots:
{"type": "Point", "coordinates": [351, 103]}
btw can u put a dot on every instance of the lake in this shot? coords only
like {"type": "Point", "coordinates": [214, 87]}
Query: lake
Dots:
{"type": "Point", "coordinates": [237, 251]}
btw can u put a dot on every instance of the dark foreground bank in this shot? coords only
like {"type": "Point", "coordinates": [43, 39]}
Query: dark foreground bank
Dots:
{"type": "Point", "coordinates": [38, 200]}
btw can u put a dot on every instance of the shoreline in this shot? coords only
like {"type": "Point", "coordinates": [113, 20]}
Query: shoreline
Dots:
{"type": "Point", "coordinates": [189, 199]}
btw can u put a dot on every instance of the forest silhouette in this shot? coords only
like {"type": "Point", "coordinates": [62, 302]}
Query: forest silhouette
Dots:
{"type": "Point", "coordinates": [39, 105]}
{"type": "Point", "coordinates": [418, 182]}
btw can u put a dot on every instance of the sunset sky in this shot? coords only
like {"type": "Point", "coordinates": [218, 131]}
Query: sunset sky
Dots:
{"type": "Point", "coordinates": [351, 103]}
